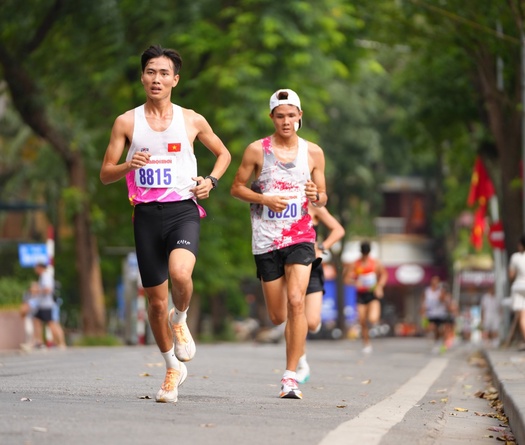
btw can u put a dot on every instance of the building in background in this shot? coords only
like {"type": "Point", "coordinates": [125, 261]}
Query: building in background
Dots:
{"type": "Point", "coordinates": [405, 247]}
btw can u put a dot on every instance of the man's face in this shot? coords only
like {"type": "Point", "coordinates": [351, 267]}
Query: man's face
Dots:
{"type": "Point", "coordinates": [159, 78]}
{"type": "Point", "coordinates": [284, 117]}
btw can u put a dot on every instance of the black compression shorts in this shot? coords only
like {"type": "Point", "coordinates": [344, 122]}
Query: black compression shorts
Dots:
{"type": "Point", "coordinates": [159, 228]}
{"type": "Point", "coordinates": [270, 266]}
{"type": "Point", "coordinates": [316, 283]}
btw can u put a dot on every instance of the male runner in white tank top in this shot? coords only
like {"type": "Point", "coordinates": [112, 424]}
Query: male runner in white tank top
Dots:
{"type": "Point", "coordinates": [287, 173]}
{"type": "Point", "coordinates": [163, 186]}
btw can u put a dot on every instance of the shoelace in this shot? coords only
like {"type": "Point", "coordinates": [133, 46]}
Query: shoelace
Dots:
{"type": "Point", "coordinates": [170, 379]}
{"type": "Point", "coordinates": [180, 333]}
{"type": "Point", "coordinates": [290, 383]}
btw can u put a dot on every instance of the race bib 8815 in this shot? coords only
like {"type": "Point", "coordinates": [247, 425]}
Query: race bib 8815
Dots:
{"type": "Point", "coordinates": [158, 173]}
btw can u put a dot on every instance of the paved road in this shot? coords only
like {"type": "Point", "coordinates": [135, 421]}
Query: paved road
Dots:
{"type": "Point", "coordinates": [401, 394]}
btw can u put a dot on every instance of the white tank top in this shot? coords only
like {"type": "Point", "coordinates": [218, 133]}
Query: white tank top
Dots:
{"type": "Point", "coordinates": [272, 231]}
{"type": "Point", "coordinates": [435, 307]}
{"type": "Point", "coordinates": [167, 177]}
{"type": "Point", "coordinates": [517, 264]}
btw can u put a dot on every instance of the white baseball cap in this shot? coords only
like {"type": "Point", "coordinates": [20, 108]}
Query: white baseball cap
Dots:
{"type": "Point", "coordinates": [287, 97]}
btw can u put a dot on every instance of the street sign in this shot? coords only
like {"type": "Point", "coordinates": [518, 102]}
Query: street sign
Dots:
{"type": "Point", "coordinates": [30, 255]}
{"type": "Point", "coordinates": [497, 235]}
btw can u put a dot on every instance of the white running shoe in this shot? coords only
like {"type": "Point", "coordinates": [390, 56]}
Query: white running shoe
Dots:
{"type": "Point", "coordinates": [302, 374]}
{"type": "Point", "coordinates": [168, 392]}
{"type": "Point", "coordinates": [184, 345]}
{"type": "Point", "coordinates": [367, 349]}
{"type": "Point", "coordinates": [290, 390]}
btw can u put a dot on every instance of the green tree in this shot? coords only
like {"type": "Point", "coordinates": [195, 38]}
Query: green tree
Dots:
{"type": "Point", "coordinates": [43, 72]}
{"type": "Point", "coordinates": [235, 55]}
{"type": "Point", "coordinates": [490, 61]}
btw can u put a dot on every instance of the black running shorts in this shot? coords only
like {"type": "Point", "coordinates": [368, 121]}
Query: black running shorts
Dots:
{"type": "Point", "coordinates": [270, 265]}
{"type": "Point", "coordinates": [160, 228]}
{"type": "Point", "coordinates": [365, 297]}
{"type": "Point", "coordinates": [316, 283]}
{"type": "Point", "coordinates": [438, 321]}
{"type": "Point", "coordinates": [44, 315]}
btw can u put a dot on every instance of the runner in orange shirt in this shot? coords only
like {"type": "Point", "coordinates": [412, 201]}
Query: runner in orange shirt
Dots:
{"type": "Point", "coordinates": [369, 277]}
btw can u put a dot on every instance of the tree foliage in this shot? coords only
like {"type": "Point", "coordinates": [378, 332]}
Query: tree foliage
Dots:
{"type": "Point", "coordinates": [409, 87]}
{"type": "Point", "coordinates": [235, 55]}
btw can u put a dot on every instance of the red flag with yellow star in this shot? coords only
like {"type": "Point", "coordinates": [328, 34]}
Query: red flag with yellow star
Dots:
{"type": "Point", "coordinates": [478, 227]}
{"type": "Point", "coordinates": [481, 190]}
{"type": "Point", "coordinates": [481, 187]}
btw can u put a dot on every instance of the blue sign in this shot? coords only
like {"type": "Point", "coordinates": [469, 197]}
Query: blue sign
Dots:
{"type": "Point", "coordinates": [329, 309]}
{"type": "Point", "coordinates": [30, 255]}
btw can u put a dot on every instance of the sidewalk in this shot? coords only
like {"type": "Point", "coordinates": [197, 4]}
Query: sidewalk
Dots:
{"type": "Point", "coordinates": [508, 369]}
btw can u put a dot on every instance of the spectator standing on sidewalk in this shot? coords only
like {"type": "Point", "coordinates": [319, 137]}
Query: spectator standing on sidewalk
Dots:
{"type": "Point", "coordinates": [163, 186]}
{"type": "Point", "coordinates": [516, 272]}
{"type": "Point", "coordinates": [315, 289]}
{"type": "Point", "coordinates": [46, 306]}
{"type": "Point", "coordinates": [490, 317]}
{"type": "Point", "coordinates": [287, 173]}
{"type": "Point", "coordinates": [28, 308]}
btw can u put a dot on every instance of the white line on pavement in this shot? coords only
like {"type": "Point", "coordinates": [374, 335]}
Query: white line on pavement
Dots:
{"type": "Point", "coordinates": [372, 424]}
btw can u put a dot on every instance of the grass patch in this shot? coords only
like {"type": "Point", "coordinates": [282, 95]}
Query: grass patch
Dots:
{"type": "Point", "coordinates": [99, 340]}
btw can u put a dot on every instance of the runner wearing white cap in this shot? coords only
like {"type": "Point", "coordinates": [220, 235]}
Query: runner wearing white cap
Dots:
{"type": "Point", "coordinates": [287, 172]}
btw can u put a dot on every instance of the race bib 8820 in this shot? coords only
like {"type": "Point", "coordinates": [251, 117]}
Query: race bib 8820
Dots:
{"type": "Point", "coordinates": [290, 213]}
{"type": "Point", "coordinates": [158, 173]}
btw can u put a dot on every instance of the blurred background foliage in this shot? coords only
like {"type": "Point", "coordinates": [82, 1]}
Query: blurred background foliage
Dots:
{"type": "Point", "coordinates": [389, 88]}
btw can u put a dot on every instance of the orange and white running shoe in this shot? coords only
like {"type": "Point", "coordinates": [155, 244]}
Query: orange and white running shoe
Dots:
{"type": "Point", "coordinates": [184, 345]}
{"type": "Point", "coordinates": [290, 390]}
{"type": "Point", "coordinates": [168, 392]}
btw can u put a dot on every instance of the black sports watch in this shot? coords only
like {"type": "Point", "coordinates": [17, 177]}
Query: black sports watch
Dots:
{"type": "Point", "coordinates": [214, 181]}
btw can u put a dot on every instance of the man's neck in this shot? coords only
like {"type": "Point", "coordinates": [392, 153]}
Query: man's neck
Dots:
{"type": "Point", "coordinates": [287, 143]}
{"type": "Point", "coordinates": [162, 108]}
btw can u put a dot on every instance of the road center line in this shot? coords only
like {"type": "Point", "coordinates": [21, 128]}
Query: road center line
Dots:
{"type": "Point", "coordinates": [373, 423]}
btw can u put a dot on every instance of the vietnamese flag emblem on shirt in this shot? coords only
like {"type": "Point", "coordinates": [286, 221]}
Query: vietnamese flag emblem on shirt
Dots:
{"type": "Point", "coordinates": [174, 147]}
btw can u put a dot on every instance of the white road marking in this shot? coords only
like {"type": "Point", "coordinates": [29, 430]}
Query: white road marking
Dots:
{"type": "Point", "coordinates": [372, 424]}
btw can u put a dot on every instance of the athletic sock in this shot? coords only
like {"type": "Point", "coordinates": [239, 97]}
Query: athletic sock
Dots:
{"type": "Point", "coordinates": [289, 374]}
{"type": "Point", "coordinates": [302, 360]}
{"type": "Point", "coordinates": [317, 329]}
{"type": "Point", "coordinates": [179, 316]}
{"type": "Point", "coordinates": [170, 359]}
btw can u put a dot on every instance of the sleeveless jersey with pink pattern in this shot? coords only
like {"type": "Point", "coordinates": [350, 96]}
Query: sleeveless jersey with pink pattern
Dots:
{"type": "Point", "coordinates": [271, 230]}
{"type": "Point", "coordinates": [167, 176]}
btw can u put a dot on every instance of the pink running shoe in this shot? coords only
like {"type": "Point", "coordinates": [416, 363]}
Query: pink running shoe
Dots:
{"type": "Point", "coordinates": [290, 390]}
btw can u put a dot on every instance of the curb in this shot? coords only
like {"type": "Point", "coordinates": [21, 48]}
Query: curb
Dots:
{"type": "Point", "coordinates": [508, 372]}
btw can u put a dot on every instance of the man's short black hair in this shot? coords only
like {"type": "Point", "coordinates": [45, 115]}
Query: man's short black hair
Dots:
{"type": "Point", "coordinates": [155, 51]}
{"type": "Point", "coordinates": [365, 247]}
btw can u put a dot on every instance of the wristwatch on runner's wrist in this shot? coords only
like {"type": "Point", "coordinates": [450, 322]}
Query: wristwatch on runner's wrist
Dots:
{"type": "Point", "coordinates": [214, 181]}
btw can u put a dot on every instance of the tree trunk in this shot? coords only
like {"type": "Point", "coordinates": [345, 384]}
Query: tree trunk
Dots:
{"type": "Point", "coordinates": [29, 102]}
{"type": "Point", "coordinates": [87, 257]}
{"type": "Point", "coordinates": [504, 118]}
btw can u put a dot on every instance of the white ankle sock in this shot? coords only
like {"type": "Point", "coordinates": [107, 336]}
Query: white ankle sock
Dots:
{"type": "Point", "coordinates": [170, 359]}
{"type": "Point", "coordinates": [302, 360]}
{"type": "Point", "coordinates": [317, 329]}
{"type": "Point", "coordinates": [179, 316]}
{"type": "Point", "coordinates": [289, 374]}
